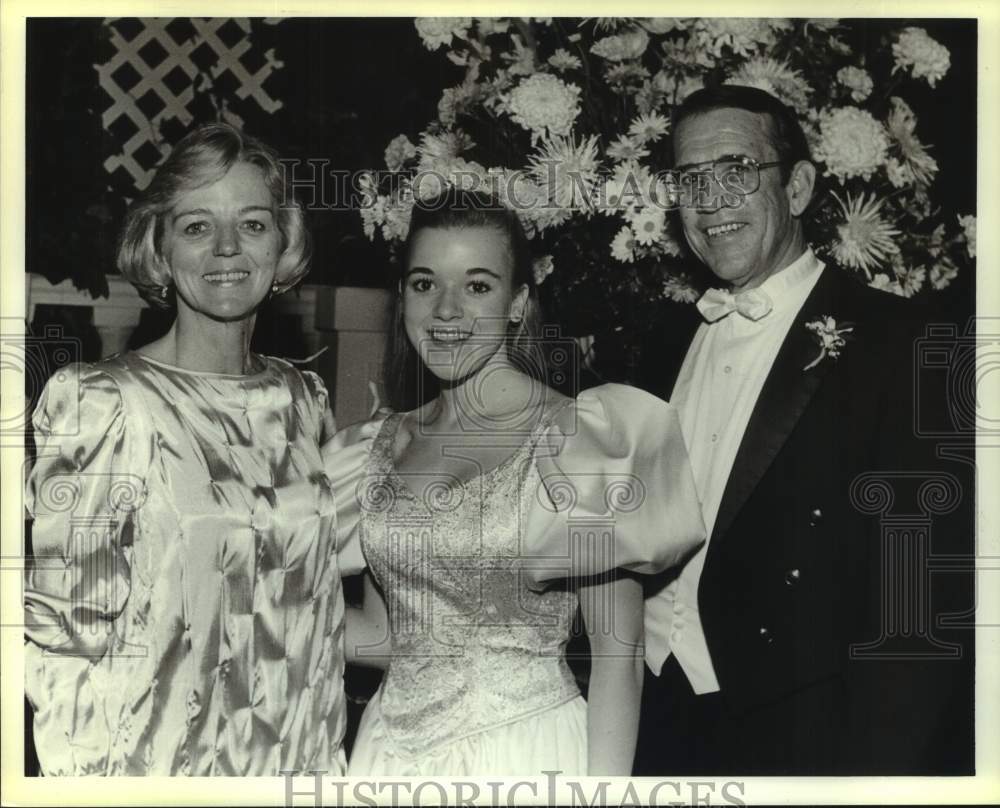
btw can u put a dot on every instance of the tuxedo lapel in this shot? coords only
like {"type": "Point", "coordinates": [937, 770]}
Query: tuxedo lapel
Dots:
{"type": "Point", "coordinates": [787, 392]}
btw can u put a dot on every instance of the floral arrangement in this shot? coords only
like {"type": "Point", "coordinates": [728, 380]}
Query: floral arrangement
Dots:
{"type": "Point", "coordinates": [569, 122]}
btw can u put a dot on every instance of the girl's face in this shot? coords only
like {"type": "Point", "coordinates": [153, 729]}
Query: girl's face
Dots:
{"type": "Point", "coordinates": [458, 298]}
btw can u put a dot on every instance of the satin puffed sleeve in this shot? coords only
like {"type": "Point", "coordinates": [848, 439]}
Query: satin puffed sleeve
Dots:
{"type": "Point", "coordinates": [345, 461]}
{"type": "Point", "coordinates": [616, 489]}
{"type": "Point", "coordinates": [82, 494]}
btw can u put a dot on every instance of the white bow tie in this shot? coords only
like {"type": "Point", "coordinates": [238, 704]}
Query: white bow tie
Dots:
{"type": "Point", "coordinates": [718, 303]}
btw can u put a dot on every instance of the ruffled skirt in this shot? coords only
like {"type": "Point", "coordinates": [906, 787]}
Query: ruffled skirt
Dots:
{"type": "Point", "coordinates": [552, 740]}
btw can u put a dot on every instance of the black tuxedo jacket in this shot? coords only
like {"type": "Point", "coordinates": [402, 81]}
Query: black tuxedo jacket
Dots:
{"type": "Point", "coordinates": [820, 613]}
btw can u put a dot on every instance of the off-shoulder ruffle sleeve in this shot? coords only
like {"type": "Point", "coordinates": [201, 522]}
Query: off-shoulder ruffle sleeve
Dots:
{"type": "Point", "coordinates": [82, 494]}
{"type": "Point", "coordinates": [345, 461]}
{"type": "Point", "coordinates": [616, 489]}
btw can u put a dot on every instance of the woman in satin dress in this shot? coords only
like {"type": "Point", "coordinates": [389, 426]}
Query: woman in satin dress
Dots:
{"type": "Point", "coordinates": [488, 508]}
{"type": "Point", "coordinates": [184, 611]}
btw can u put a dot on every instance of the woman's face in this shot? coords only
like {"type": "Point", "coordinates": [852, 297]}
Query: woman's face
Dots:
{"type": "Point", "coordinates": [222, 244]}
{"type": "Point", "coordinates": [458, 298]}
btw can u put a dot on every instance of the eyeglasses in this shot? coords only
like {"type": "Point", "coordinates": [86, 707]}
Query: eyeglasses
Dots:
{"type": "Point", "coordinates": [736, 174]}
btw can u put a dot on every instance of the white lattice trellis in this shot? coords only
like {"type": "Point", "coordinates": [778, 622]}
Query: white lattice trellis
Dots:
{"type": "Point", "coordinates": [227, 59]}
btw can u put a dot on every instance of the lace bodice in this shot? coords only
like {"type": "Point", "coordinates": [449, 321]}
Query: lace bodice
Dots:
{"type": "Point", "coordinates": [473, 647]}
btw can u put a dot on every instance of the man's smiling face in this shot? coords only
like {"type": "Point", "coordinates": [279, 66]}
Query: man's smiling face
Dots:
{"type": "Point", "coordinates": [742, 245]}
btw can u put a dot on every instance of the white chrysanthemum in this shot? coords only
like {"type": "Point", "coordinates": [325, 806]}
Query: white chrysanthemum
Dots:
{"type": "Point", "coordinates": [623, 246]}
{"type": "Point", "coordinates": [398, 152]}
{"type": "Point", "coordinates": [741, 35]}
{"type": "Point", "coordinates": [922, 56]}
{"type": "Point", "coordinates": [776, 78]}
{"type": "Point", "coordinates": [566, 170]}
{"type": "Point", "coordinates": [649, 128]}
{"type": "Point", "coordinates": [851, 143]}
{"type": "Point", "coordinates": [902, 124]}
{"type": "Point", "coordinates": [679, 289]}
{"type": "Point", "coordinates": [648, 225]}
{"type": "Point", "coordinates": [542, 268]}
{"type": "Point", "coordinates": [438, 31]}
{"type": "Point", "coordinates": [864, 239]}
{"type": "Point", "coordinates": [562, 59]}
{"type": "Point", "coordinates": [622, 47]}
{"type": "Point", "coordinates": [942, 274]}
{"type": "Point", "coordinates": [543, 104]}
{"type": "Point", "coordinates": [625, 149]}
{"type": "Point", "coordinates": [443, 147]}
{"type": "Point", "coordinates": [968, 224]}
{"type": "Point", "coordinates": [857, 81]}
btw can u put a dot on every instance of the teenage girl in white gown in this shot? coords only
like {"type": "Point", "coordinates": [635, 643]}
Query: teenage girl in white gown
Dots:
{"type": "Point", "coordinates": [488, 510]}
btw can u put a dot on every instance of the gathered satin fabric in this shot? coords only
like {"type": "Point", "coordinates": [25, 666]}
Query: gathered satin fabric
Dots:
{"type": "Point", "coordinates": [477, 652]}
{"type": "Point", "coordinates": [184, 611]}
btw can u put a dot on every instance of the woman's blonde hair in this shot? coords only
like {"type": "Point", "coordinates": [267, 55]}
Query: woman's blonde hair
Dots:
{"type": "Point", "coordinates": [202, 157]}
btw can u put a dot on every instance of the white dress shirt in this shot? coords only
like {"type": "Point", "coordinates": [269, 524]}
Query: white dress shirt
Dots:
{"type": "Point", "coordinates": [722, 376]}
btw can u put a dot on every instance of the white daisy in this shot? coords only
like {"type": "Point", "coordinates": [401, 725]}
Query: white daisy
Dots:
{"type": "Point", "coordinates": [623, 246]}
{"type": "Point", "coordinates": [625, 149]}
{"type": "Point", "coordinates": [649, 128]}
{"type": "Point", "coordinates": [647, 225]}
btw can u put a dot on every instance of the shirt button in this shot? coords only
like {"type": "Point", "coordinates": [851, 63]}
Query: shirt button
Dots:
{"type": "Point", "coordinates": [678, 624]}
{"type": "Point", "coordinates": [815, 517]}
{"type": "Point", "coordinates": [675, 636]}
{"type": "Point", "coordinates": [715, 437]}
{"type": "Point", "coordinates": [727, 369]}
{"type": "Point", "coordinates": [678, 608]}
{"type": "Point", "coordinates": [792, 577]}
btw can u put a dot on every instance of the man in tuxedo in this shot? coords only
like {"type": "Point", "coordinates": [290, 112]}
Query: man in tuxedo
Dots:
{"type": "Point", "coordinates": [780, 647]}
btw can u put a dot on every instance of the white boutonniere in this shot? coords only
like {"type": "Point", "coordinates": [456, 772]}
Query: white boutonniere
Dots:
{"type": "Point", "coordinates": [831, 337]}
